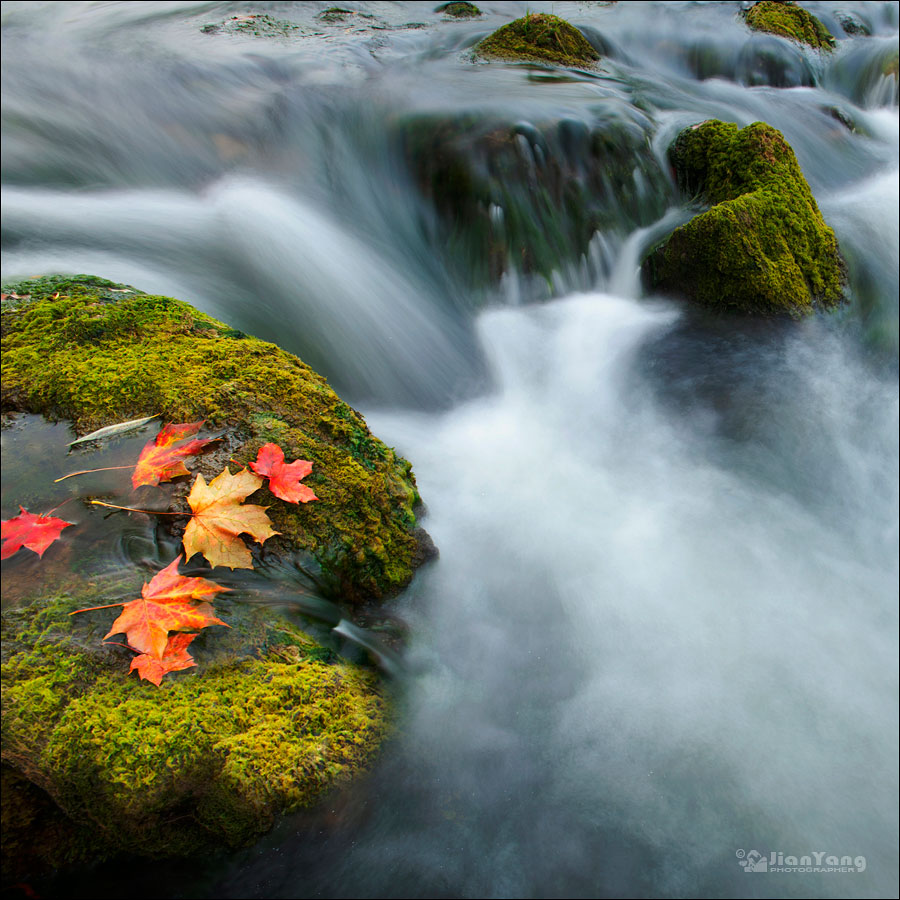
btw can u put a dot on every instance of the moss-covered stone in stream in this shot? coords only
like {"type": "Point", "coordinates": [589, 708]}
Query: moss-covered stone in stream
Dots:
{"type": "Point", "coordinates": [790, 21]}
{"type": "Point", "coordinates": [540, 37]}
{"type": "Point", "coordinates": [265, 725]}
{"type": "Point", "coordinates": [459, 10]}
{"type": "Point", "coordinates": [763, 247]}
{"type": "Point", "coordinates": [84, 349]}
{"type": "Point", "coordinates": [511, 195]}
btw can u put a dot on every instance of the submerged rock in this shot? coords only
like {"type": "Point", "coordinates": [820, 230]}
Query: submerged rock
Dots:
{"type": "Point", "coordinates": [517, 196]}
{"type": "Point", "coordinates": [336, 15]}
{"type": "Point", "coordinates": [97, 353]}
{"type": "Point", "coordinates": [791, 21]}
{"type": "Point", "coordinates": [539, 37]}
{"type": "Point", "coordinates": [254, 25]}
{"type": "Point", "coordinates": [853, 23]}
{"type": "Point", "coordinates": [763, 247]}
{"type": "Point", "coordinates": [96, 762]}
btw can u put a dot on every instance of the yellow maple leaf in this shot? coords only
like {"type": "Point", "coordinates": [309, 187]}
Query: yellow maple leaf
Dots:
{"type": "Point", "coordinates": [221, 516]}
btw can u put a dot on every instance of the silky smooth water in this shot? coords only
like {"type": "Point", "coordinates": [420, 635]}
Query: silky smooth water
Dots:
{"type": "Point", "coordinates": [662, 631]}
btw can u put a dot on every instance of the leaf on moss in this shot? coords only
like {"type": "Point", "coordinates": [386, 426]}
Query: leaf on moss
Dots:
{"type": "Point", "coordinates": [174, 658]}
{"type": "Point", "coordinates": [220, 516]}
{"type": "Point", "coordinates": [284, 478]}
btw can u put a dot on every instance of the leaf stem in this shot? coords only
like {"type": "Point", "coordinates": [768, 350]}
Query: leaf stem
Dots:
{"type": "Point", "coordinates": [58, 505]}
{"type": "Point", "coordinates": [88, 472]}
{"type": "Point", "coordinates": [150, 512]}
{"type": "Point", "coordinates": [89, 608]}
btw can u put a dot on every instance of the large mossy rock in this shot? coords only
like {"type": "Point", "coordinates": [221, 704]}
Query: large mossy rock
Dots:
{"type": "Point", "coordinates": [790, 21]}
{"type": "Point", "coordinates": [540, 37]}
{"type": "Point", "coordinates": [96, 762]}
{"type": "Point", "coordinates": [97, 353]}
{"type": "Point", "coordinates": [763, 247]}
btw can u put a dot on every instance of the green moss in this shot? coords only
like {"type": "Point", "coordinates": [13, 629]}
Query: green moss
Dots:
{"type": "Point", "coordinates": [539, 38]}
{"type": "Point", "coordinates": [790, 21]}
{"type": "Point", "coordinates": [83, 349]}
{"type": "Point", "coordinates": [763, 247]}
{"type": "Point", "coordinates": [460, 10]}
{"type": "Point", "coordinates": [208, 760]}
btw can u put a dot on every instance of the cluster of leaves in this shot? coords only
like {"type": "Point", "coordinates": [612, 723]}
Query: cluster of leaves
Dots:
{"type": "Point", "coordinates": [171, 602]}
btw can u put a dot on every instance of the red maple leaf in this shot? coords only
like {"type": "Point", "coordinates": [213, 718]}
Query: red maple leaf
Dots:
{"type": "Point", "coordinates": [284, 479]}
{"type": "Point", "coordinates": [166, 604]}
{"type": "Point", "coordinates": [174, 658]}
{"type": "Point", "coordinates": [28, 530]}
{"type": "Point", "coordinates": [162, 458]}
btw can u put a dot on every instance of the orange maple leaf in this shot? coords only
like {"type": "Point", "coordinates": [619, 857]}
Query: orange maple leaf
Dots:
{"type": "Point", "coordinates": [284, 479]}
{"type": "Point", "coordinates": [220, 517]}
{"type": "Point", "coordinates": [165, 605]}
{"type": "Point", "coordinates": [162, 458]}
{"type": "Point", "coordinates": [173, 659]}
{"type": "Point", "coordinates": [28, 530]}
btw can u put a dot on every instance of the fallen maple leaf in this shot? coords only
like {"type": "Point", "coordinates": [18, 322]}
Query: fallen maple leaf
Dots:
{"type": "Point", "coordinates": [165, 605]}
{"type": "Point", "coordinates": [29, 530]}
{"type": "Point", "coordinates": [162, 458]}
{"type": "Point", "coordinates": [220, 517]}
{"type": "Point", "coordinates": [284, 479]}
{"type": "Point", "coordinates": [173, 659]}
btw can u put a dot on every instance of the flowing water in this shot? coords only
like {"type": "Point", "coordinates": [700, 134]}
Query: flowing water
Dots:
{"type": "Point", "coordinates": [661, 633]}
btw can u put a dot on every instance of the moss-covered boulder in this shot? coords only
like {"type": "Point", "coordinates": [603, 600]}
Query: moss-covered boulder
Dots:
{"type": "Point", "coordinates": [96, 762]}
{"type": "Point", "coordinates": [97, 353]}
{"type": "Point", "coordinates": [459, 10]}
{"type": "Point", "coordinates": [790, 21]}
{"type": "Point", "coordinates": [540, 37]}
{"type": "Point", "coordinates": [763, 247]}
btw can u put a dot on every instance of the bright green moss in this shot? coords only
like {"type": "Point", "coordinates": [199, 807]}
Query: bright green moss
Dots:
{"type": "Point", "coordinates": [763, 247]}
{"type": "Point", "coordinates": [209, 759]}
{"type": "Point", "coordinates": [85, 349]}
{"type": "Point", "coordinates": [790, 21]}
{"type": "Point", "coordinates": [460, 10]}
{"type": "Point", "coordinates": [540, 38]}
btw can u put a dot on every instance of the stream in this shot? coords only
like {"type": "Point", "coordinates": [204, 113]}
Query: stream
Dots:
{"type": "Point", "coordinates": [662, 631]}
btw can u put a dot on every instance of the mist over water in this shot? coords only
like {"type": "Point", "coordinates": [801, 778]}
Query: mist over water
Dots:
{"type": "Point", "coordinates": [663, 625]}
